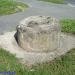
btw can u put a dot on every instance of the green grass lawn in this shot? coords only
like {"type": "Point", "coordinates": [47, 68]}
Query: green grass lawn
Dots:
{"type": "Point", "coordinates": [68, 25]}
{"type": "Point", "coordinates": [64, 65]}
{"type": "Point", "coordinates": [11, 6]}
{"type": "Point", "coordinates": [54, 1]}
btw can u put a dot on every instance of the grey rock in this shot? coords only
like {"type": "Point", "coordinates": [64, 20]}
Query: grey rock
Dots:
{"type": "Point", "coordinates": [38, 34]}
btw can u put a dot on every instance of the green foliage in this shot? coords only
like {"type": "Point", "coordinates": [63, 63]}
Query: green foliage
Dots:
{"type": "Point", "coordinates": [64, 65]}
{"type": "Point", "coordinates": [54, 1]}
{"type": "Point", "coordinates": [11, 6]}
{"type": "Point", "coordinates": [68, 25]}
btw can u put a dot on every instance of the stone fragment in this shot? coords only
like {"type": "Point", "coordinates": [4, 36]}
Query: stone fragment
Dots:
{"type": "Point", "coordinates": [38, 34]}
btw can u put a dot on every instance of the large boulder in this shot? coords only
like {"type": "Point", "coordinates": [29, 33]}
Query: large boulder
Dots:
{"type": "Point", "coordinates": [38, 34]}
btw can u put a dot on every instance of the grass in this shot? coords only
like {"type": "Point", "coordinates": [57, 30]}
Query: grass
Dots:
{"type": "Point", "coordinates": [68, 25]}
{"type": "Point", "coordinates": [60, 66]}
{"type": "Point", "coordinates": [54, 1]}
{"type": "Point", "coordinates": [11, 6]}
